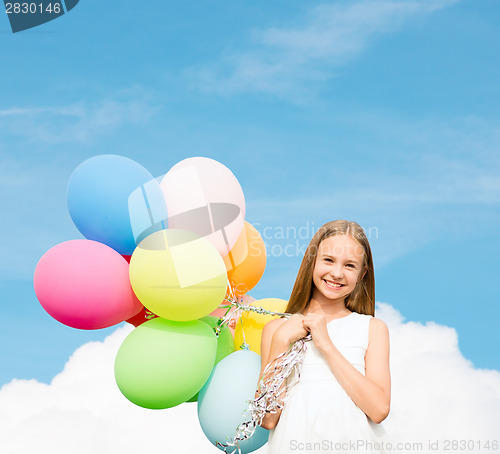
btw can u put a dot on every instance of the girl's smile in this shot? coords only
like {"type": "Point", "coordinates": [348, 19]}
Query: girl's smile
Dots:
{"type": "Point", "coordinates": [333, 285]}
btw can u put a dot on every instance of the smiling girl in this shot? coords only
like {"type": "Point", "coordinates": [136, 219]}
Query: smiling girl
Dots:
{"type": "Point", "coordinates": [343, 392]}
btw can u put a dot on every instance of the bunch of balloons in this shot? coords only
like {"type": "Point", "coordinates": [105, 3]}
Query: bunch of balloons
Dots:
{"type": "Point", "coordinates": [164, 254]}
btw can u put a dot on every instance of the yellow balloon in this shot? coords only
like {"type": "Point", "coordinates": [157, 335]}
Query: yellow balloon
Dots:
{"type": "Point", "coordinates": [178, 275]}
{"type": "Point", "coordinates": [249, 326]}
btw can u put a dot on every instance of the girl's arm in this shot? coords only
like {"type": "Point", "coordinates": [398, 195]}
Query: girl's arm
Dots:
{"type": "Point", "coordinates": [270, 350]}
{"type": "Point", "coordinates": [277, 336]}
{"type": "Point", "coordinates": [370, 392]}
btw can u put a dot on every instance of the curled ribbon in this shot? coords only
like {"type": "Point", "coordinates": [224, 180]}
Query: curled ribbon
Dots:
{"type": "Point", "coordinates": [273, 386]}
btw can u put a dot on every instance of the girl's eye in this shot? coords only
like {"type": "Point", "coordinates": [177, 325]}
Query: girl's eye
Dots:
{"type": "Point", "coordinates": [328, 260]}
{"type": "Point", "coordinates": [350, 265]}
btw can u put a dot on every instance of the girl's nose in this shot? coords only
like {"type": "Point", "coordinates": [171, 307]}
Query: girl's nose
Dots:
{"type": "Point", "coordinates": [336, 272]}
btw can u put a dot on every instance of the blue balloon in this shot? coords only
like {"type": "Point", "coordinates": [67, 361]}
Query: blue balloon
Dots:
{"type": "Point", "coordinates": [116, 201]}
{"type": "Point", "coordinates": [225, 396]}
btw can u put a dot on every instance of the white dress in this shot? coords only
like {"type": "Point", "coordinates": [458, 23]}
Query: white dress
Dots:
{"type": "Point", "coordinates": [319, 416]}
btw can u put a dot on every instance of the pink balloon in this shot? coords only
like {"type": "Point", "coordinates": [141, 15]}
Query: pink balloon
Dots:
{"type": "Point", "coordinates": [221, 311]}
{"type": "Point", "coordinates": [85, 284]}
{"type": "Point", "coordinates": [247, 299]}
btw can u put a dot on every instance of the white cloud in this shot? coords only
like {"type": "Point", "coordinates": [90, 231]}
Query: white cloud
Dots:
{"type": "Point", "coordinates": [83, 411]}
{"type": "Point", "coordinates": [286, 61]}
{"type": "Point", "coordinates": [436, 395]}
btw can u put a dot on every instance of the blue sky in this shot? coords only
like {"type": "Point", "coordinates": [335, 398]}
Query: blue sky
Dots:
{"type": "Point", "coordinates": [383, 112]}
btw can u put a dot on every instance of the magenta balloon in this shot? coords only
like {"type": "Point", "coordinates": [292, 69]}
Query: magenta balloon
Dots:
{"type": "Point", "coordinates": [85, 284]}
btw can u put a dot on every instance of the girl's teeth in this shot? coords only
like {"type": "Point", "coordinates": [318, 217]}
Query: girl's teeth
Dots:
{"type": "Point", "coordinates": [331, 284]}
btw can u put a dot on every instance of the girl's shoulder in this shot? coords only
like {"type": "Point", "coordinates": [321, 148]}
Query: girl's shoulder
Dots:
{"type": "Point", "coordinates": [378, 327]}
{"type": "Point", "coordinates": [274, 324]}
{"type": "Point", "coordinates": [374, 321]}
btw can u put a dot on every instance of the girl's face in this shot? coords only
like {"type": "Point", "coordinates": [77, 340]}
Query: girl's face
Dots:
{"type": "Point", "coordinates": [338, 267]}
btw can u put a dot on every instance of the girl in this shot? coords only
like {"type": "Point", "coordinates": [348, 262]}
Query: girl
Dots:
{"type": "Point", "coordinates": [344, 387]}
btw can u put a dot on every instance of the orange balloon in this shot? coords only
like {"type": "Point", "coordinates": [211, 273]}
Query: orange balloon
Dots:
{"type": "Point", "coordinates": [246, 261]}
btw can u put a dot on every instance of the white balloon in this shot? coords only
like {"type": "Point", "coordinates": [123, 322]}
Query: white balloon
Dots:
{"type": "Point", "coordinates": [203, 195]}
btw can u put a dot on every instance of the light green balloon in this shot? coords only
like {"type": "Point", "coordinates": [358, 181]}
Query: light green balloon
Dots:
{"type": "Point", "coordinates": [162, 363]}
{"type": "Point", "coordinates": [225, 343]}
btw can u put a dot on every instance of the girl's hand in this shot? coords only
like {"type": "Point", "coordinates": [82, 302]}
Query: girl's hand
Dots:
{"type": "Point", "coordinates": [316, 325]}
{"type": "Point", "coordinates": [291, 330]}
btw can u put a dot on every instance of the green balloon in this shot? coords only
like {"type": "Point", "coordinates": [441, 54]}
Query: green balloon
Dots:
{"type": "Point", "coordinates": [163, 363]}
{"type": "Point", "coordinates": [225, 343]}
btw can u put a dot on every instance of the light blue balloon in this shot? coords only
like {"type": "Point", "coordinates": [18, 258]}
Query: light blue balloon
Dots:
{"type": "Point", "coordinates": [225, 396]}
{"type": "Point", "coordinates": [116, 201]}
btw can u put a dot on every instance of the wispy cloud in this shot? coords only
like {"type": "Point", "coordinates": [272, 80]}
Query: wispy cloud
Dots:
{"type": "Point", "coordinates": [292, 60]}
{"type": "Point", "coordinates": [36, 144]}
{"type": "Point", "coordinates": [33, 209]}
{"type": "Point", "coordinates": [73, 123]}
{"type": "Point", "coordinates": [424, 179]}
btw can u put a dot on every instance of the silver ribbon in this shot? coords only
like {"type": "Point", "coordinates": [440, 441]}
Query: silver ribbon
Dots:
{"type": "Point", "coordinates": [274, 384]}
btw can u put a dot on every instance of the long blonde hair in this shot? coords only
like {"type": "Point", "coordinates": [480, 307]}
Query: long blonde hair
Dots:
{"type": "Point", "coordinates": [362, 298]}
